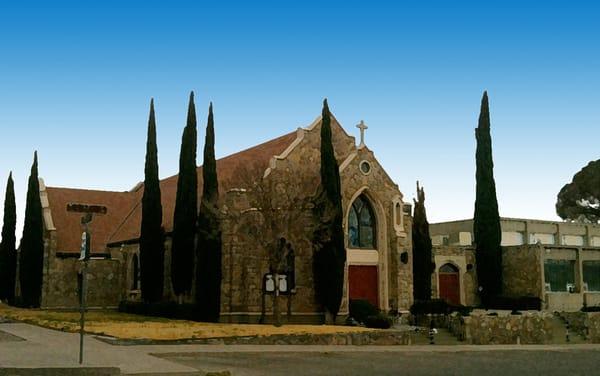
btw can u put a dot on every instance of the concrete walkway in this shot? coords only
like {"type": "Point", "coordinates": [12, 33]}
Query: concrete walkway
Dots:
{"type": "Point", "coordinates": [41, 347]}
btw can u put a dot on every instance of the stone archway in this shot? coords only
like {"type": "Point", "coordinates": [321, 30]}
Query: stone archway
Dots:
{"type": "Point", "coordinates": [449, 283]}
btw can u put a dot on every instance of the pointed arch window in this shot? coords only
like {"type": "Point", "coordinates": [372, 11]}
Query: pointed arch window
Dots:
{"type": "Point", "coordinates": [361, 225]}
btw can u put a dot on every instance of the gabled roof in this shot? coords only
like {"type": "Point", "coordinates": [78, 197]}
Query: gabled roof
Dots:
{"type": "Point", "coordinates": [227, 168]}
{"type": "Point", "coordinates": [123, 219]}
{"type": "Point", "coordinates": [68, 224]}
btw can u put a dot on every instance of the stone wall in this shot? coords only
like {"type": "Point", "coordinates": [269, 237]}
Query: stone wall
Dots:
{"type": "Point", "coordinates": [522, 271]}
{"type": "Point", "coordinates": [530, 327]}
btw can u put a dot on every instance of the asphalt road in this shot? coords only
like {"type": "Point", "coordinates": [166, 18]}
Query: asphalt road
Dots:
{"type": "Point", "coordinates": [489, 363]}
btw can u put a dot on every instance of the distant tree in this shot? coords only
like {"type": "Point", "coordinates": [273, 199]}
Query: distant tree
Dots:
{"type": "Point", "coordinates": [8, 253]}
{"type": "Point", "coordinates": [580, 199]}
{"type": "Point", "coordinates": [486, 226]}
{"type": "Point", "coordinates": [151, 233]}
{"type": "Point", "coordinates": [32, 243]}
{"type": "Point", "coordinates": [208, 266]}
{"type": "Point", "coordinates": [186, 209]}
{"type": "Point", "coordinates": [422, 264]}
{"type": "Point", "coordinates": [330, 253]}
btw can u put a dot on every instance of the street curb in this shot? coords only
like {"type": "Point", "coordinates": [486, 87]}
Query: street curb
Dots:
{"type": "Point", "coordinates": [62, 371]}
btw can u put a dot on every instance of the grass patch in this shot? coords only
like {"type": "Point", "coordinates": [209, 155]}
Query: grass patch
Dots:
{"type": "Point", "coordinates": [129, 326]}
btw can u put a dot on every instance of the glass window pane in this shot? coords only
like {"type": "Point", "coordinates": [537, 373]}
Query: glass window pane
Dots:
{"type": "Point", "coordinates": [353, 229]}
{"type": "Point", "coordinates": [558, 273]}
{"type": "Point", "coordinates": [366, 237]}
{"type": "Point", "coordinates": [591, 275]}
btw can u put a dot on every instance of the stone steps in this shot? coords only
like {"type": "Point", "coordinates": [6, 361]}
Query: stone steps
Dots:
{"type": "Point", "coordinates": [559, 330]}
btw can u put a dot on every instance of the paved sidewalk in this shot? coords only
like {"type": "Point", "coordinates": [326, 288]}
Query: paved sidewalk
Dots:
{"type": "Point", "coordinates": [50, 348]}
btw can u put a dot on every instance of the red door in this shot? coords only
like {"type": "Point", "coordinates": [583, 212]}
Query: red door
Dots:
{"type": "Point", "coordinates": [449, 287]}
{"type": "Point", "coordinates": [363, 283]}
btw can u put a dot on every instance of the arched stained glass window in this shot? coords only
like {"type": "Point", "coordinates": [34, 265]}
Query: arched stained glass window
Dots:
{"type": "Point", "coordinates": [361, 225]}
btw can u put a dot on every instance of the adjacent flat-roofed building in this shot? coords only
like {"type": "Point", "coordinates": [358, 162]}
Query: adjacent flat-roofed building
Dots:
{"type": "Point", "coordinates": [559, 262]}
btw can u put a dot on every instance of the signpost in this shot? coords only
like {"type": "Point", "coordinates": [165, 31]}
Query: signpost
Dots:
{"type": "Point", "coordinates": [86, 240]}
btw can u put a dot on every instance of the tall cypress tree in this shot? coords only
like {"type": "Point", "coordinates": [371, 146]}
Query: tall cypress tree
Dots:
{"type": "Point", "coordinates": [32, 243]}
{"type": "Point", "coordinates": [186, 206]}
{"type": "Point", "coordinates": [330, 254]}
{"type": "Point", "coordinates": [486, 226]}
{"type": "Point", "coordinates": [208, 267]}
{"type": "Point", "coordinates": [8, 254]}
{"type": "Point", "coordinates": [151, 233]}
{"type": "Point", "coordinates": [422, 264]}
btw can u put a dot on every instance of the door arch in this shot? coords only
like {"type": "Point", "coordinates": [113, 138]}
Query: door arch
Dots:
{"type": "Point", "coordinates": [449, 283]}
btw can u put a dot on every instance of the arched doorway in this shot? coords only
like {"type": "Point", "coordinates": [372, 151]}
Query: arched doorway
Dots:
{"type": "Point", "coordinates": [449, 283]}
{"type": "Point", "coordinates": [363, 278]}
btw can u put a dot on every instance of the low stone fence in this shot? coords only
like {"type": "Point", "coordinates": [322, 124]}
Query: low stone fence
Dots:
{"type": "Point", "coordinates": [385, 337]}
{"type": "Point", "coordinates": [531, 327]}
{"type": "Point", "coordinates": [586, 324]}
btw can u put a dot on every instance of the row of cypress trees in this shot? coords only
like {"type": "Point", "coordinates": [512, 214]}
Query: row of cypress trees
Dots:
{"type": "Point", "coordinates": [31, 255]}
{"type": "Point", "coordinates": [486, 224]}
{"type": "Point", "coordinates": [192, 230]}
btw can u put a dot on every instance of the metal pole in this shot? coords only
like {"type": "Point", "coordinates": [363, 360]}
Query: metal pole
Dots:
{"type": "Point", "coordinates": [82, 303]}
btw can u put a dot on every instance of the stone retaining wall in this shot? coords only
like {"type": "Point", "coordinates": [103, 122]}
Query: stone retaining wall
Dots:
{"type": "Point", "coordinates": [376, 337]}
{"type": "Point", "coordinates": [480, 329]}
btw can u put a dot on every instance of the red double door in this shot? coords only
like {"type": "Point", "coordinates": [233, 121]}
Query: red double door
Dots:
{"type": "Point", "coordinates": [363, 283]}
{"type": "Point", "coordinates": [449, 287]}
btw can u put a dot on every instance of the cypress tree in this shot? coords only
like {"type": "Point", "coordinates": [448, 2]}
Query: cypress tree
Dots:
{"type": "Point", "coordinates": [32, 243]}
{"type": "Point", "coordinates": [8, 254]}
{"type": "Point", "coordinates": [330, 255]}
{"type": "Point", "coordinates": [422, 264]}
{"type": "Point", "coordinates": [486, 223]}
{"type": "Point", "coordinates": [151, 233]}
{"type": "Point", "coordinates": [208, 267]}
{"type": "Point", "coordinates": [186, 204]}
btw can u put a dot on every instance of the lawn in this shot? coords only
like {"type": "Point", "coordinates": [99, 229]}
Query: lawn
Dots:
{"type": "Point", "coordinates": [128, 326]}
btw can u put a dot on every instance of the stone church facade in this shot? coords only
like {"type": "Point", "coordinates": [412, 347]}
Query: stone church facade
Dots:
{"type": "Point", "coordinates": [265, 195]}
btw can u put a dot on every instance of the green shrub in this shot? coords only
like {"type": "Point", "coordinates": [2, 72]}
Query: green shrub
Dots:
{"type": "Point", "coordinates": [361, 309]}
{"type": "Point", "coordinates": [523, 303]}
{"type": "Point", "coordinates": [591, 309]}
{"type": "Point", "coordinates": [378, 321]}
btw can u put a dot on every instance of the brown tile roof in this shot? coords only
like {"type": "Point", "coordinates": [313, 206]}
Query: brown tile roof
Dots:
{"type": "Point", "coordinates": [226, 169]}
{"type": "Point", "coordinates": [68, 224]}
{"type": "Point", "coordinates": [123, 219]}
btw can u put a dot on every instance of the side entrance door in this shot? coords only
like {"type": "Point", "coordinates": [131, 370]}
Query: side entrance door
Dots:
{"type": "Point", "coordinates": [449, 284]}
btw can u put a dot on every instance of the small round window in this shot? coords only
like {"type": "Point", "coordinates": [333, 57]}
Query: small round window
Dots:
{"type": "Point", "coordinates": [365, 167]}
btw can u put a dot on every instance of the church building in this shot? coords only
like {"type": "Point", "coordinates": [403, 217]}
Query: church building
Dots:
{"type": "Point", "coordinates": [265, 196]}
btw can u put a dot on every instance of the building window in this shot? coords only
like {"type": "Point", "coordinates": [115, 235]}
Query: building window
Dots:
{"type": "Point", "coordinates": [542, 238]}
{"type": "Point", "coordinates": [512, 238]}
{"type": "Point", "coordinates": [576, 240]}
{"type": "Point", "coordinates": [591, 275]}
{"type": "Point", "coordinates": [361, 224]}
{"type": "Point", "coordinates": [559, 274]}
{"type": "Point", "coordinates": [365, 167]}
{"type": "Point", "coordinates": [135, 273]}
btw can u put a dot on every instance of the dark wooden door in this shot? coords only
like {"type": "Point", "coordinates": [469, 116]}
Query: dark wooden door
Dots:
{"type": "Point", "coordinates": [363, 283]}
{"type": "Point", "coordinates": [449, 287]}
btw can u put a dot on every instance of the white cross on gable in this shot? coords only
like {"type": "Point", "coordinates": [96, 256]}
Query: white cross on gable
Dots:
{"type": "Point", "coordinates": [362, 126]}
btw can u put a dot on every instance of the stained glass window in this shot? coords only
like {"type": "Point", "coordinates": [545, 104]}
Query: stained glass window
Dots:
{"type": "Point", "coordinates": [361, 225]}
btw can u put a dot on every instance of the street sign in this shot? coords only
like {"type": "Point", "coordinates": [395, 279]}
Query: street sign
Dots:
{"type": "Point", "coordinates": [86, 208]}
{"type": "Point", "coordinates": [85, 246]}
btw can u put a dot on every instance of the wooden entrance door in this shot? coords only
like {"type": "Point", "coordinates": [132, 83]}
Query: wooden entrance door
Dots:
{"type": "Point", "coordinates": [449, 284]}
{"type": "Point", "coordinates": [363, 283]}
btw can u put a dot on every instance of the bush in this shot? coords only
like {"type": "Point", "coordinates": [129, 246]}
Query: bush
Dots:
{"type": "Point", "coordinates": [361, 309]}
{"type": "Point", "coordinates": [169, 310]}
{"type": "Point", "coordinates": [426, 307]}
{"type": "Point", "coordinates": [378, 321]}
{"type": "Point", "coordinates": [591, 309]}
{"type": "Point", "coordinates": [523, 303]}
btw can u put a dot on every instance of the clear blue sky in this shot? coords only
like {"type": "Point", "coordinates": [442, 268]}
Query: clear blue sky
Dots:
{"type": "Point", "coordinates": [76, 80]}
